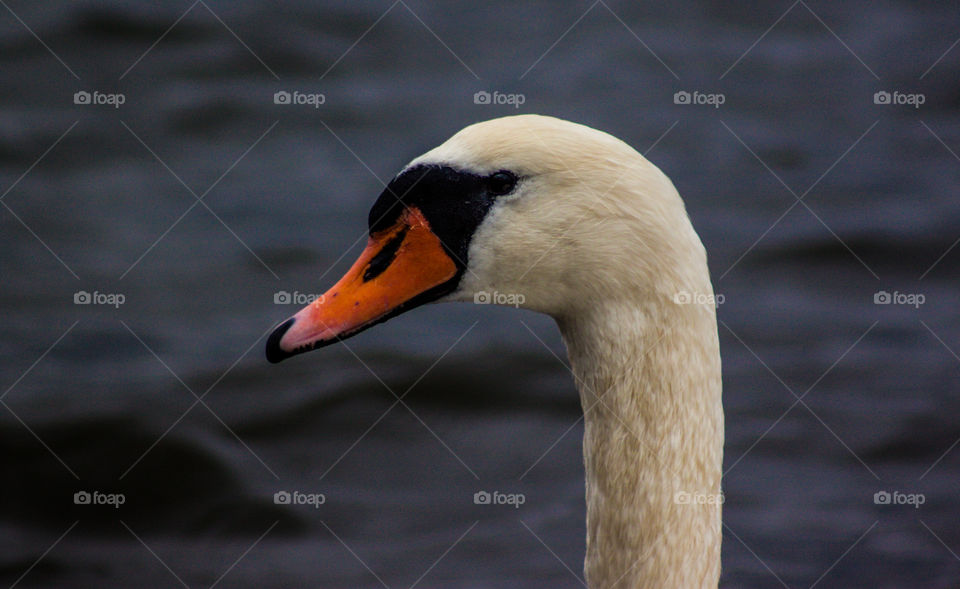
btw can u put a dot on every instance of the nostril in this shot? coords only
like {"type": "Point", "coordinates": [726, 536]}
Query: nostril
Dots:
{"type": "Point", "coordinates": [274, 352]}
{"type": "Point", "coordinates": [384, 257]}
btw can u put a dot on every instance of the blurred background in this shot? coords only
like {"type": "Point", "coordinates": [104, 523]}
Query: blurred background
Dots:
{"type": "Point", "coordinates": [178, 177]}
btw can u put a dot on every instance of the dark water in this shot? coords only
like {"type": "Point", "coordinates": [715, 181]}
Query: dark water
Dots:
{"type": "Point", "coordinates": [110, 405]}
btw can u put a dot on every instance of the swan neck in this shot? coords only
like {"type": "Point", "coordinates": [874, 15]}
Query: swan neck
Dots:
{"type": "Point", "coordinates": [649, 383]}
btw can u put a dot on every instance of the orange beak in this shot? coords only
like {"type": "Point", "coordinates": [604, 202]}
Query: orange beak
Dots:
{"type": "Point", "coordinates": [398, 266]}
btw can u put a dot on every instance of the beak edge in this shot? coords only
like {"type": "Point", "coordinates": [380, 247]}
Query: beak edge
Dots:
{"type": "Point", "coordinates": [275, 353]}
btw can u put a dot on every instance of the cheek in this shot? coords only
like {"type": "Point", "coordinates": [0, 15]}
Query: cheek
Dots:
{"type": "Point", "coordinates": [494, 248]}
{"type": "Point", "coordinates": [487, 251]}
{"type": "Point", "coordinates": [507, 265]}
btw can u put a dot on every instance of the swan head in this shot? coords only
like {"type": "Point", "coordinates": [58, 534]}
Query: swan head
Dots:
{"type": "Point", "coordinates": [528, 210]}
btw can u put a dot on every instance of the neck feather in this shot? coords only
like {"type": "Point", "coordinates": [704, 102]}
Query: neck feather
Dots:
{"type": "Point", "coordinates": [649, 380]}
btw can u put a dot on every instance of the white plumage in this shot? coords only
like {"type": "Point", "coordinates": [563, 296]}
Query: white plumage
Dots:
{"type": "Point", "coordinates": [597, 237]}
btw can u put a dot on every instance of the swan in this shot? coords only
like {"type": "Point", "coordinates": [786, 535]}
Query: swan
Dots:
{"type": "Point", "coordinates": [591, 233]}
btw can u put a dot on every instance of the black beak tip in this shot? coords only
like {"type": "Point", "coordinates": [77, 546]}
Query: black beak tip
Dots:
{"type": "Point", "coordinates": [274, 353]}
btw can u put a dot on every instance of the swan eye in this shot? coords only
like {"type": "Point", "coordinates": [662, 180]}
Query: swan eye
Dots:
{"type": "Point", "coordinates": [502, 183]}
